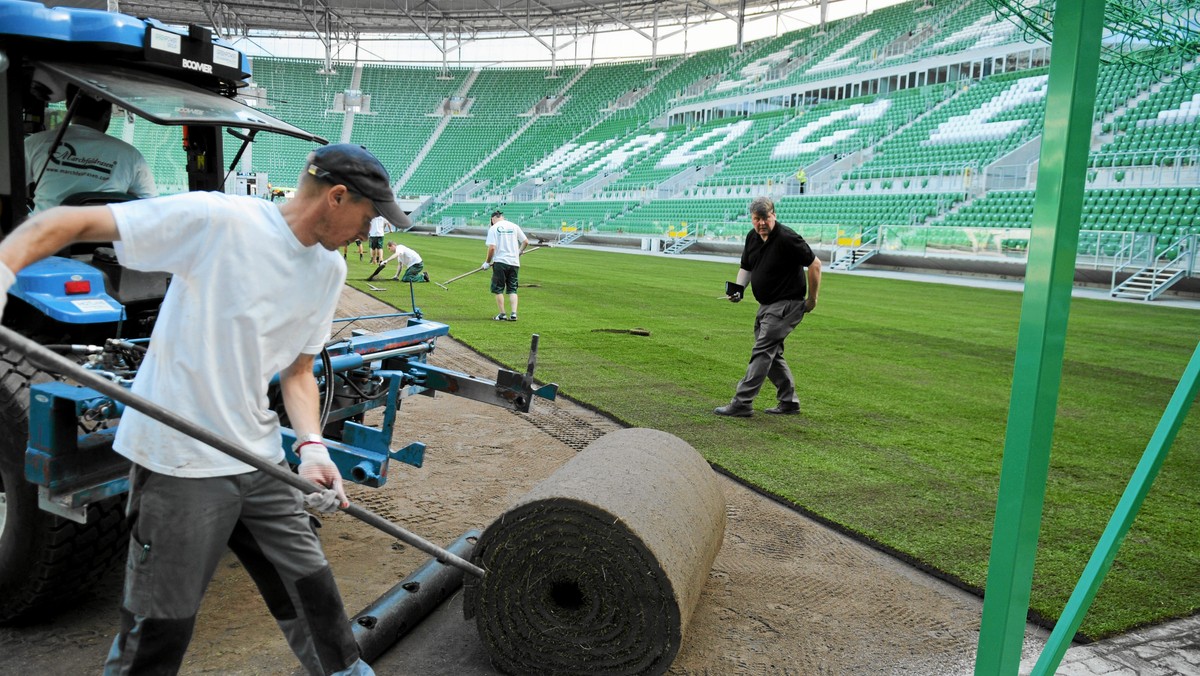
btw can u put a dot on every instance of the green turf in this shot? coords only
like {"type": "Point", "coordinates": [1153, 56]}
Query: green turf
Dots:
{"type": "Point", "coordinates": [904, 388]}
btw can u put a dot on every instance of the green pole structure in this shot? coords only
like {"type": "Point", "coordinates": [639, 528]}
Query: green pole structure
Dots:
{"type": "Point", "coordinates": [1037, 369]}
{"type": "Point", "coordinates": [1122, 518]}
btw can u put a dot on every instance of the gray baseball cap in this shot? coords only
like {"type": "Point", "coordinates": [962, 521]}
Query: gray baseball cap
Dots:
{"type": "Point", "coordinates": [362, 173]}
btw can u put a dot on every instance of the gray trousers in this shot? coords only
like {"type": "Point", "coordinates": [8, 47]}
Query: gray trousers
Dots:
{"type": "Point", "coordinates": [179, 528]}
{"type": "Point", "coordinates": [773, 324]}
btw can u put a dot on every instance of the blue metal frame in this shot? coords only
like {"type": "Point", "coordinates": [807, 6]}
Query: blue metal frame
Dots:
{"type": "Point", "coordinates": [76, 470]}
{"type": "Point", "coordinates": [61, 460]}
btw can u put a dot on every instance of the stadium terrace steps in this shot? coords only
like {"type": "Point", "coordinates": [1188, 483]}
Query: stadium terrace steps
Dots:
{"type": "Point", "coordinates": [1161, 129]}
{"type": "Point", "coordinates": [969, 25]}
{"type": "Point", "coordinates": [981, 124]}
{"type": "Point", "coordinates": [430, 89]}
{"type": "Point", "coordinates": [533, 119]}
{"type": "Point", "coordinates": [405, 112]}
{"type": "Point", "coordinates": [1147, 283]}
{"type": "Point", "coordinates": [421, 154]}
{"type": "Point", "coordinates": [586, 107]}
{"type": "Point", "coordinates": [348, 115]}
{"type": "Point", "coordinates": [500, 98]}
{"type": "Point", "coordinates": [296, 91]}
{"type": "Point", "coordinates": [840, 128]}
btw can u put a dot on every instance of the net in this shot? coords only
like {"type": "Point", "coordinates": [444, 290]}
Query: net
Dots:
{"type": "Point", "coordinates": [1163, 35]}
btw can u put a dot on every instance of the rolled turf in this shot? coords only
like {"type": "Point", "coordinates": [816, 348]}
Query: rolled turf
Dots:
{"type": "Point", "coordinates": [597, 570]}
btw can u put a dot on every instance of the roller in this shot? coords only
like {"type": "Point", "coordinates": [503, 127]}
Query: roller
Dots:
{"type": "Point", "coordinates": [390, 617]}
{"type": "Point", "coordinates": [599, 568]}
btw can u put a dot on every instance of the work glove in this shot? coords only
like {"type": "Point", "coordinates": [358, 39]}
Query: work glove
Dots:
{"type": "Point", "coordinates": [734, 291]}
{"type": "Point", "coordinates": [7, 279]}
{"type": "Point", "coordinates": [485, 265]}
{"type": "Point", "coordinates": [316, 466]}
{"type": "Point", "coordinates": [325, 502]}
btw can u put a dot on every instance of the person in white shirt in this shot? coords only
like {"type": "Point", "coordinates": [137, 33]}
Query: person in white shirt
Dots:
{"type": "Point", "coordinates": [409, 267]}
{"type": "Point", "coordinates": [375, 239]}
{"type": "Point", "coordinates": [505, 244]}
{"type": "Point", "coordinates": [86, 160]}
{"type": "Point", "coordinates": [253, 292]}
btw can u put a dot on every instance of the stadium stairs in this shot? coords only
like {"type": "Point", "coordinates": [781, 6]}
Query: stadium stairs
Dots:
{"type": "Point", "coordinates": [433, 138]}
{"type": "Point", "coordinates": [507, 142]}
{"type": "Point", "coordinates": [850, 252]}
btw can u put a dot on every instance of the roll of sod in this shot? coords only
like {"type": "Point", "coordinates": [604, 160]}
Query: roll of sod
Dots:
{"type": "Point", "coordinates": [597, 570]}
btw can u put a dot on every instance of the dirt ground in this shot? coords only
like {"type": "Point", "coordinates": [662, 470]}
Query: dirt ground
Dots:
{"type": "Point", "coordinates": [785, 595]}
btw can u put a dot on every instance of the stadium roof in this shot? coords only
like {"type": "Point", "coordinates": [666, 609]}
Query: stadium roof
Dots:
{"type": "Point", "coordinates": [467, 18]}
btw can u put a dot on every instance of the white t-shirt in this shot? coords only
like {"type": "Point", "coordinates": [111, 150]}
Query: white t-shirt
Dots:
{"type": "Point", "coordinates": [507, 237]}
{"type": "Point", "coordinates": [246, 299]}
{"type": "Point", "coordinates": [377, 226]}
{"type": "Point", "coordinates": [87, 160]}
{"type": "Point", "coordinates": [405, 256]}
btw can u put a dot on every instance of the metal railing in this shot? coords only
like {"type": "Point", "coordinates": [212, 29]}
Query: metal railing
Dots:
{"type": "Point", "coordinates": [1146, 252]}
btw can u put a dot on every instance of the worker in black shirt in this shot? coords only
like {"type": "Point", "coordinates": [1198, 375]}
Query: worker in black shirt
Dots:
{"type": "Point", "coordinates": [774, 262]}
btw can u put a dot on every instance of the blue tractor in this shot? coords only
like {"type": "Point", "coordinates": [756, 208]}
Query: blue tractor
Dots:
{"type": "Point", "coordinates": [61, 485]}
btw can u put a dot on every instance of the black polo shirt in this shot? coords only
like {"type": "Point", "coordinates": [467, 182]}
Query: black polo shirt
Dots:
{"type": "Point", "coordinates": [777, 265]}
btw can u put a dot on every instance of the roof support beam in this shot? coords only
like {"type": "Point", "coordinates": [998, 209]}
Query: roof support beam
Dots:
{"type": "Point", "coordinates": [324, 21]}
{"type": "Point", "coordinates": [741, 24]}
{"type": "Point", "coordinates": [718, 10]}
{"type": "Point", "coordinates": [465, 21]}
{"type": "Point", "coordinates": [523, 26]}
{"type": "Point", "coordinates": [654, 43]}
{"type": "Point", "coordinates": [440, 45]}
{"type": "Point", "coordinates": [618, 20]}
{"type": "Point", "coordinates": [225, 20]}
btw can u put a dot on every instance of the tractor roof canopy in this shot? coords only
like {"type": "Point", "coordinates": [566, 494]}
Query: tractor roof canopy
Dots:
{"type": "Point", "coordinates": [165, 101]}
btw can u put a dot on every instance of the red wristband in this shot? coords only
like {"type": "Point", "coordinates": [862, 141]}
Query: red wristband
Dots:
{"type": "Point", "coordinates": [306, 443]}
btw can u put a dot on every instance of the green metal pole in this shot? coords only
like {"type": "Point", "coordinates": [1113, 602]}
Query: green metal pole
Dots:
{"type": "Point", "coordinates": [1037, 369]}
{"type": "Point", "coordinates": [1122, 518]}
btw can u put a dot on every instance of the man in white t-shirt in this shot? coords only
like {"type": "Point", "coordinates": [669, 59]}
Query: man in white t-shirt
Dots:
{"type": "Point", "coordinates": [505, 244]}
{"type": "Point", "coordinates": [254, 288]}
{"type": "Point", "coordinates": [409, 266]}
{"type": "Point", "coordinates": [86, 160]}
{"type": "Point", "coordinates": [375, 239]}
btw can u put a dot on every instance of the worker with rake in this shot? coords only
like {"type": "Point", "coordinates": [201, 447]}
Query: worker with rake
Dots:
{"type": "Point", "coordinates": [230, 322]}
{"type": "Point", "coordinates": [505, 244]}
{"type": "Point", "coordinates": [409, 266]}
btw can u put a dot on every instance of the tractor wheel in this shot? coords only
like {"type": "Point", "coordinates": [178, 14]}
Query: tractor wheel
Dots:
{"type": "Point", "coordinates": [46, 562]}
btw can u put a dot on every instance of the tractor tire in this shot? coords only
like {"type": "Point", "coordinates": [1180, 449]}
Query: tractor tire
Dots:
{"type": "Point", "coordinates": [47, 563]}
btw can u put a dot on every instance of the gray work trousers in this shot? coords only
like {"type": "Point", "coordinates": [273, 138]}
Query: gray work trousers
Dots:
{"type": "Point", "coordinates": [179, 529]}
{"type": "Point", "coordinates": [773, 324]}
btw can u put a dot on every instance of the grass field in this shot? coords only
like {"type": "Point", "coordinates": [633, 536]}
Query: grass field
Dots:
{"type": "Point", "coordinates": [904, 388]}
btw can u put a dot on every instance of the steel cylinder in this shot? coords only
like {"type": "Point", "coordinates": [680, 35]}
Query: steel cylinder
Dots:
{"type": "Point", "coordinates": [381, 624]}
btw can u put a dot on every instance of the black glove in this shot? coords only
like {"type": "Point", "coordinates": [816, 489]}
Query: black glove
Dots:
{"type": "Point", "coordinates": [734, 291]}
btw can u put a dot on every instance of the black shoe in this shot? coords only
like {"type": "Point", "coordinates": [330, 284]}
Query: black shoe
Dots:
{"type": "Point", "coordinates": [733, 412]}
{"type": "Point", "coordinates": [425, 276]}
{"type": "Point", "coordinates": [512, 317]}
{"type": "Point", "coordinates": [784, 409]}
{"type": "Point", "coordinates": [501, 317]}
